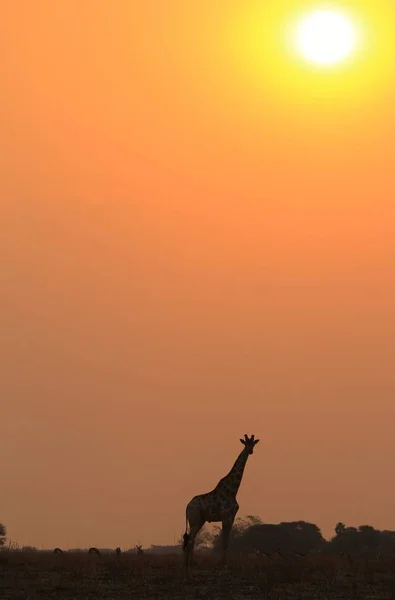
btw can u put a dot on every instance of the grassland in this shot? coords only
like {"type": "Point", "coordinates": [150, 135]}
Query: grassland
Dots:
{"type": "Point", "coordinates": [43, 575]}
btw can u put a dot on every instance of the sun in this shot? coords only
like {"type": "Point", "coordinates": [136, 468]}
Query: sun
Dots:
{"type": "Point", "coordinates": [326, 37]}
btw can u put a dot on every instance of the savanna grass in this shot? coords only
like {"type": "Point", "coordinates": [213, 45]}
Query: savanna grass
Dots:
{"type": "Point", "coordinates": [37, 575]}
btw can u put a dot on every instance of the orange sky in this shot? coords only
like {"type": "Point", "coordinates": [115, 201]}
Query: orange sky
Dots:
{"type": "Point", "coordinates": [189, 253]}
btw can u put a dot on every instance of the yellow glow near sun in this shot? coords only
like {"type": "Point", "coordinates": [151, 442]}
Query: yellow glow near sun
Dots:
{"type": "Point", "coordinates": [318, 56]}
{"type": "Point", "coordinates": [326, 37]}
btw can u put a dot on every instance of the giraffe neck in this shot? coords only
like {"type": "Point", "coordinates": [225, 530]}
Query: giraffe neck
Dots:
{"type": "Point", "coordinates": [232, 480]}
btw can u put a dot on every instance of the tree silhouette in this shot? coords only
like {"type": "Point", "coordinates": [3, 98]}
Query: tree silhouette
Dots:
{"type": "Point", "coordinates": [340, 528]}
{"type": "Point", "coordinates": [204, 539]}
{"type": "Point", "coordinates": [240, 527]}
{"type": "Point", "coordinates": [295, 537]}
{"type": "Point", "coordinates": [364, 540]}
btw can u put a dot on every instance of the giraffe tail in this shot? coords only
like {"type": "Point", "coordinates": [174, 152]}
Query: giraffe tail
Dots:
{"type": "Point", "coordinates": [185, 537]}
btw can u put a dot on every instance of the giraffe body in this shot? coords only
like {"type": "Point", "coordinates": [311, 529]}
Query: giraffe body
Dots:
{"type": "Point", "coordinates": [219, 505]}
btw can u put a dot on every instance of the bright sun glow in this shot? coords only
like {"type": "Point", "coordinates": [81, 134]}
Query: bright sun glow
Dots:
{"type": "Point", "coordinates": [325, 37]}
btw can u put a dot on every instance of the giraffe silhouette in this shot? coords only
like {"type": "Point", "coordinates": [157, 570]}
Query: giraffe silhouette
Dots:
{"type": "Point", "coordinates": [218, 505]}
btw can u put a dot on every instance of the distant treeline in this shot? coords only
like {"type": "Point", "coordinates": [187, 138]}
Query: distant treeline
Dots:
{"type": "Point", "coordinates": [295, 537]}
{"type": "Point", "coordinates": [303, 538]}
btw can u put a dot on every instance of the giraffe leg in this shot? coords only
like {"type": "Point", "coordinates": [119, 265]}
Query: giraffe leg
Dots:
{"type": "Point", "coordinates": [195, 528]}
{"type": "Point", "coordinates": [226, 529]}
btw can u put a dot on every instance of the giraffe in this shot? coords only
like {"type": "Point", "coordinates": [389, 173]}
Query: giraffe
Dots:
{"type": "Point", "coordinates": [218, 505]}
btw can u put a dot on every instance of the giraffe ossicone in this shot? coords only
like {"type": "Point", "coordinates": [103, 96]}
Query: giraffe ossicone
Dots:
{"type": "Point", "coordinates": [218, 505]}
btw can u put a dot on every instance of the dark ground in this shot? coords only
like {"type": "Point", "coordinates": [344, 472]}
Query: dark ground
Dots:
{"type": "Point", "coordinates": [43, 575]}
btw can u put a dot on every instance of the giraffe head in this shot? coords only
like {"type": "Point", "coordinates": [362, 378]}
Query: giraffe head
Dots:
{"type": "Point", "coordinates": [249, 443]}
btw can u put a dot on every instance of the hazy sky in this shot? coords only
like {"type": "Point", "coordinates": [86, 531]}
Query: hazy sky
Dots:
{"type": "Point", "coordinates": [197, 242]}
